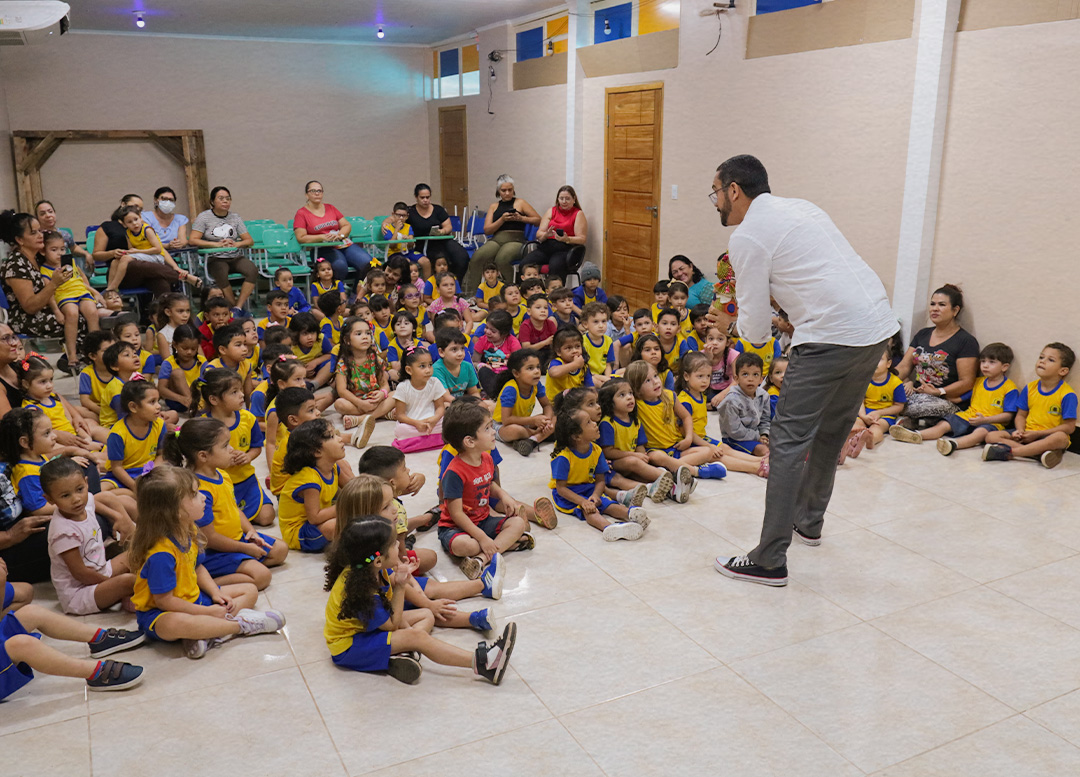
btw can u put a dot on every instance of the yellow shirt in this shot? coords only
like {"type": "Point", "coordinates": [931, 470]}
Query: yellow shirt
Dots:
{"type": "Point", "coordinates": [339, 631]}
{"type": "Point", "coordinates": [111, 391]}
{"type": "Point", "coordinates": [697, 412]}
{"type": "Point", "coordinates": [518, 316]}
{"type": "Point", "coordinates": [1045, 411]}
{"type": "Point", "coordinates": [244, 434]}
{"type": "Point", "coordinates": [514, 402]}
{"type": "Point", "coordinates": [291, 512]}
{"type": "Point", "coordinates": [768, 351]}
{"type": "Point", "coordinates": [53, 408]}
{"type": "Point", "coordinates": [578, 469]}
{"type": "Point", "coordinates": [243, 369]}
{"type": "Point", "coordinates": [882, 395]}
{"type": "Point", "coordinates": [580, 377]}
{"type": "Point", "coordinates": [277, 465]}
{"type": "Point", "coordinates": [620, 436]}
{"type": "Point", "coordinates": [598, 355]}
{"type": "Point", "coordinates": [986, 401]}
{"type": "Point", "coordinates": [331, 329]}
{"type": "Point", "coordinates": [672, 355]}
{"type": "Point", "coordinates": [140, 241]}
{"type": "Point", "coordinates": [131, 452]}
{"type": "Point", "coordinates": [185, 561]}
{"type": "Point", "coordinates": [71, 290]}
{"type": "Point", "coordinates": [660, 431]}
{"type": "Point", "coordinates": [221, 508]}
{"type": "Point", "coordinates": [685, 327]}
{"type": "Point", "coordinates": [191, 373]}
{"type": "Point", "coordinates": [381, 335]}
{"type": "Point", "coordinates": [485, 293]}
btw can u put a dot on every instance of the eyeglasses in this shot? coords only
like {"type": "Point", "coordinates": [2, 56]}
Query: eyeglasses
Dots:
{"type": "Point", "coordinates": [12, 339]}
{"type": "Point", "coordinates": [714, 195]}
{"type": "Point", "coordinates": [314, 191]}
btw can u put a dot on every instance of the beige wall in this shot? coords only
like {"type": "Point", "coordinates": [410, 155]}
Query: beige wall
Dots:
{"type": "Point", "coordinates": [7, 170]}
{"type": "Point", "coordinates": [274, 115]}
{"type": "Point", "coordinates": [1008, 228]}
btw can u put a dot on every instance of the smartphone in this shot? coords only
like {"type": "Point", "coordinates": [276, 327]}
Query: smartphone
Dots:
{"type": "Point", "coordinates": [67, 260]}
{"type": "Point", "coordinates": [560, 233]}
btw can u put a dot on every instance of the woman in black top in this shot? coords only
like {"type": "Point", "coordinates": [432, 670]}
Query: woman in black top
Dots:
{"type": "Point", "coordinates": [111, 241]}
{"type": "Point", "coordinates": [505, 230]}
{"type": "Point", "coordinates": [12, 395]}
{"type": "Point", "coordinates": [940, 364]}
{"type": "Point", "coordinates": [426, 218]}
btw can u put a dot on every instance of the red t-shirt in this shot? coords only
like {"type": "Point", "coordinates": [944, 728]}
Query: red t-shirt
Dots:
{"type": "Point", "coordinates": [527, 333]}
{"type": "Point", "coordinates": [318, 225]}
{"type": "Point", "coordinates": [208, 349]}
{"type": "Point", "coordinates": [472, 485]}
{"type": "Point", "coordinates": [563, 220]}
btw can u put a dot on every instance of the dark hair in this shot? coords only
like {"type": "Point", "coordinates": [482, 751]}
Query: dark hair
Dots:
{"type": "Point", "coordinates": [529, 284]}
{"type": "Point", "coordinates": [562, 337]}
{"type": "Point", "coordinates": [163, 190]}
{"type": "Point", "coordinates": [112, 354]}
{"type": "Point", "coordinates": [52, 236]}
{"type": "Point", "coordinates": [217, 380]}
{"type": "Point", "coordinates": [329, 302]}
{"type": "Point", "coordinates": [419, 188]}
{"type": "Point", "coordinates": [955, 295]}
{"type": "Point", "coordinates": [595, 309]}
{"type": "Point", "coordinates": [282, 369]}
{"type": "Point", "coordinates": [570, 189]}
{"type": "Point", "coordinates": [398, 261]}
{"type": "Point", "coordinates": [678, 286]}
{"type": "Point", "coordinates": [345, 352]}
{"type": "Point", "coordinates": [668, 312]}
{"type": "Point", "coordinates": [749, 359]}
{"type": "Point", "coordinates": [32, 366]}
{"type": "Point", "coordinates": [535, 298]}
{"type": "Point", "coordinates": [409, 358]}
{"type": "Point", "coordinates": [289, 401]}
{"type": "Point", "coordinates": [135, 391]}
{"type": "Point", "coordinates": [128, 198]}
{"type": "Point", "coordinates": [304, 323]}
{"type": "Point", "coordinates": [649, 337]}
{"type": "Point", "coordinates": [747, 172]}
{"type": "Point", "coordinates": [465, 421]}
{"type": "Point", "coordinates": [380, 460]}
{"type": "Point", "coordinates": [399, 205]}
{"type": "Point", "coordinates": [305, 444]}
{"type": "Point", "coordinates": [660, 287]}
{"type": "Point", "coordinates": [441, 319]}
{"type": "Point", "coordinates": [641, 313]}
{"type": "Point", "coordinates": [607, 394]}
{"type": "Point", "coordinates": [692, 361]}
{"type": "Point", "coordinates": [448, 336]}
{"type": "Point", "coordinates": [18, 422]}
{"type": "Point", "coordinates": [39, 203]}
{"type": "Point", "coordinates": [273, 296]}
{"type": "Point", "coordinates": [501, 321]}
{"type": "Point", "coordinates": [695, 275]}
{"type": "Point", "coordinates": [308, 185]}
{"type": "Point", "coordinates": [214, 303]}
{"type": "Point", "coordinates": [57, 469]}
{"type": "Point", "coordinates": [998, 352]}
{"type": "Point", "coordinates": [215, 190]}
{"type": "Point", "coordinates": [1068, 358]}
{"type": "Point", "coordinates": [225, 335]}
{"type": "Point", "coordinates": [614, 301]}
{"type": "Point", "coordinates": [515, 363]}
{"type": "Point", "coordinates": [166, 301]}
{"type": "Point", "coordinates": [560, 293]}
{"type": "Point", "coordinates": [127, 210]}
{"type": "Point", "coordinates": [572, 399]}
{"type": "Point", "coordinates": [276, 335]}
{"type": "Point", "coordinates": [698, 312]}
{"type": "Point", "coordinates": [401, 315]}
{"type": "Point", "coordinates": [362, 539]}
{"type": "Point", "coordinates": [378, 302]}
{"type": "Point", "coordinates": [123, 324]}
{"type": "Point", "coordinates": [94, 340]}
{"type": "Point", "coordinates": [567, 427]}
{"type": "Point", "coordinates": [496, 299]}
{"type": "Point", "coordinates": [442, 276]}
{"type": "Point", "coordinates": [14, 225]}
{"type": "Point", "coordinates": [196, 436]}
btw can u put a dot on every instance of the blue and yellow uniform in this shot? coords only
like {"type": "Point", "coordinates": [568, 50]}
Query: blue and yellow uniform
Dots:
{"type": "Point", "coordinates": [697, 408]}
{"type": "Point", "coordinates": [987, 400]}
{"type": "Point", "coordinates": [405, 235]}
{"type": "Point", "coordinates": [130, 451]}
{"type": "Point", "coordinates": [518, 315]}
{"type": "Point", "coordinates": [395, 350]}
{"type": "Point", "coordinates": [598, 355]}
{"type": "Point", "coordinates": [514, 401]}
{"type": "Point", "coordinates": [1045, 411]}
{"type": "Point", "coordinates": [93, 385]}
{"type": "Point", "coordinates": [72, 290]}
{"type": "Point", "coordinates": [26, 480]}
{"type": "Point", "coordinates": [147, 364]}
{"type": "Point", "coordinates": [685, 327]}
{"type": "Point", "coordinates": [622, 436]}
{"type": "Point", "coordinates": [484, 293]}
{"type": "Point", "coordinates": [169, 569]}
{"type": "Point", "coordinates": [579, 377]}
{"type": "Point", "coordinates": [245, 434]}
{"type": "Point", "coordinates": [882, 395]}
{"type": "Point", "coordinates": [691, 341]}
{"type": "Point", "coordinates": [317, 288]}
{"type": "Point", "coordinates": [579, 472]}
{"type": "Point", "coordinates": [331, 331]}
{"type": "Point", "coordinates": [582, 297]}
{"type": "Point", "coordinates": [655, 308]}
{"type": "Point", "coordinates": [257, 402]}
{"type": "Point", "coordinates": [223, 513]}
{"type": "Point", "coordinates": [265, 323]}
{"type": "Point", "coordinates": [277, 464]}
{"type": "Point", "coordinates": [243, 369]}
{"type": "Point", "coordinates": [314, 352]}
{"type": "Point", "coordinates": [292, 517]}
{"type": "Point", "coordinates": [662, 430]}
{"type": "Point", "coordinates": [672, 355]}
{"type": "Point", "coordinates": [381, 335]}
{"type": "Point", "coordinates": [363, 647]}
{"type": "Point", "coordinates": [111, 409]}
{"type": "Point", "coordinates": [53, 409]}
{"type": "Point", "coordinates": [768, 350]}
{"type": "Point", "coordinates": [431, 292]}
{"type": "Point", "coordinates": [191, 374]}
{"type": "Point", "coordinates": [774, 397]}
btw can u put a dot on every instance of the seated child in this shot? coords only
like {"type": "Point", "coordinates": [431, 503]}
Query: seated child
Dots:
{"type": "Point", "coordinates": [518, 390]}
{"type": "Point", "coordinates": [405, 338]}
{"type": "Point", "coordinates": [884, 402]}
{"type": "Point", "coordinates": [694, 339]}
{"type": "Point", "coordinates": [388, 464]}
{"type": "Point", "coordinates": [136, 439]}
{"type": "Point", "coordinates": [669, 334]}
{"type": "Point", "coordinates": [179, 372]}
{"type": "Point", "coordinates": [589, 290]}
{"type": "Point", "coordinates": [73, 298]}
{"type": "Point", "coordinates": [622, 441]}
{"type": "Point", "coordinates": [562, 301]}
{"type": "Point", "coordinates": [492, 349]}
{"type": "Point", "coordinates": [768, 350]}
{"type": "Point", "coordinates": [381, 330]}
{"type": "Point", "coordinates": [310, 349]}
{"type": "Point", "coordinates": [332, 309]}
{"type": "Point", "coordinates": [71, 429]}
{"type": "Point", "coordinates": [217, 313]}
{"type": "Point", "coordinates": [452, 319]}
{"type": "Point", "coordinates": [456, 374]}
{"type": "Point", "coordinates": [619, 321]}
{"type": "Point", "coordinates": [324, 282]}
{"type": "Point", "coordinates": [722, 356]}
{"type": "Point", "coordinates": [94, 378]}
{"type": "Point", "coordinates": [175, 312]}
{"type": "Point", "coordinates": [679, 296]}
{"type": "Point", "coordinates": [144, 246]}
{"type": "Point", "coordinates": [283, 281]}
{"type": "Point", "coordinates": [293, 406]}
{"type": "Point", "coordinates": [421, 402]}
{"type": "Point", "coordinates": [512, 296]}
{"type": "Point", "coordinates": [599, 349]}
{"type": "Point", "coordinates": [692, 385]}
{"type": "Point", "coordinates": [744, 412]}
{"type": "Point", "coordinates": [306, 512]}
{"type": "Point", "coordinates": [362, 382]}
{"type": "Point", "coordinates": [490, 286]}
{"type": "Point", "coordinates": [537, 329]}
{"type": "Point", "coordinates": [277, 313]}
{"type": "Point", "coordinates": [128, 332]}
{"type": "Point", "coordinates": [774, 381]}
{"type": "Point", "coordinates": [568, 367]}
{"type": "Point", "coordinates": [660, 298]}
{"type": "Point", "coordinates": [231, 346]}
{"type": "Point", "coordinates": [1045, 413]}
{"type": "Point", "coordinates": [448, 299]}
{"type": "Point", "coordinates": [642, 324]}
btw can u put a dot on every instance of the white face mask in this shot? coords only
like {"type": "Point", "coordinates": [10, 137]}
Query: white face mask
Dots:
{"type": "Point", "coordinates": [166, 206]}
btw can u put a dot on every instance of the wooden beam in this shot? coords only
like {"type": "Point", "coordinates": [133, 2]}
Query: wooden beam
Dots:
{"type": "Point", "coordinates": [104, 134]}
{"type": "Point", "coordinates": [195, 175]}
{"type": "Point", "coordinates": [174, 147]}
{"type": "Point", "coordinates": [40, 152]}
{"type": "Point", "coordinates": [20, 148]}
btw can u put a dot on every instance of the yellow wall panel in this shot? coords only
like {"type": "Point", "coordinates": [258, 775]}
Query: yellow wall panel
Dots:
{"type": "Point", "coordinates": [657, 16]}
{"type": "Point", "coordinates": [470, 59]}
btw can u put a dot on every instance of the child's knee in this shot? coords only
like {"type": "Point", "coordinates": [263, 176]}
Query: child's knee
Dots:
{"type": "Point", "coordinates": [464, 546]}
{"type": "Point", "coordinates": [278, 552]}
{"type": "Point", "coordinates": [20, 646]}
{"type": "Point", "coordinates": [515, 523]}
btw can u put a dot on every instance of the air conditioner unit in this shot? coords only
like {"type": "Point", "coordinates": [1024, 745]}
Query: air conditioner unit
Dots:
{"type": "Point", "coordinates": [26, 22]}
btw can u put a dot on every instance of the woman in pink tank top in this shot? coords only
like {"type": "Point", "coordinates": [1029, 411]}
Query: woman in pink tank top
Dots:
{"type": "Point", "coordinates": [561, 229]}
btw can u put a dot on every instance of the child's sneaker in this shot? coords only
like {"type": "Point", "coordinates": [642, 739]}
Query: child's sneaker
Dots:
{"type": "Point", "coordinates": [945, 446]}
{"type": "Point", "coordinates": [525, 542]}
{"type": "Point", "coordinates": [640, 517]}
{"type": "Point", "coordinates": [714, 470]}
{"type": "Point", "coordinates": [365, 425]}
{"type": "Point", "coordinates": [997, 452]}
{"type": "Point", "coordinates": [482, 620]}
{"type": "Point", "coordinates": [194, 648]}
{"type": "Point", "coordinates": [544, 513]}
{"type": "Point", "coordinates": [525, 446]}
{"type": "Point", "coordinates": [492, 577]}
{"type": "Point", "coordinates": [258, 621]}
{"type": "Point", "coordinates": [633, 497]}
{"type": "Point", "coordinates": [115, 676]}
{"type": "Point", "coordinates": [491, 662]}
{"type": "Point", "coordinates": [898, 432]}
{"type": "Point", "coordinates": [472, 566]}
{"type": "Point", "coordinates": [405, 668]}
{"type": "Point", "coordinates": [660, 489]}
{"type": "Point", "coordinates": [623, 531]}
{"type": "Point", "coordinates": [1051, 459]}
{"type": "Point", "coordinates": [111, 641]}
{"type": "Point", "coordinates": [684, 483]}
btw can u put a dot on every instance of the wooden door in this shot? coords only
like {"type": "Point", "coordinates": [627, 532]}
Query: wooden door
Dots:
{"type": "Point", "coordinates": [634, 118]}
{"type": "Point", "coordinates": [453, 159]}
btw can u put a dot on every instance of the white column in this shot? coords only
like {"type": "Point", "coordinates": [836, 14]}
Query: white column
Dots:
{"type": "Point", "coordinates": [578, 34]}
{"type": "Point", "coordinates": [937, 23]}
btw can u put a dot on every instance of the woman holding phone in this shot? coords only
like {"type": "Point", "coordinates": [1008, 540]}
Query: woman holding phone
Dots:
{"type": "Point", "coordinates": [561, 228]}
{"type": "Point", "coordinates": [505, 230]}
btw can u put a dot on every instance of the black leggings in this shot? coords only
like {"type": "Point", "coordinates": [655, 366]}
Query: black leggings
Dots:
{"type": "Point", "coordinates": [456, 255]}
{"type": "Point", "coordinates": [552, 253]}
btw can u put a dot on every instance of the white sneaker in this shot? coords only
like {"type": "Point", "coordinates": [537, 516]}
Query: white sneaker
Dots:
{"type": "Point", "coordinates": [623, 531]}
{"type": "Point", "coordinates": [194, 648]}
{"type": "Point", "coordinates": [684, 485]}
{"type": "Point", "coordinates": [633, 497]}
{"type": "Point", "coordinates": [258, 621]}
{"type": "Point", "coordinates": [660, 489]}
{"type": "Point", "coordinates": [640, 517]}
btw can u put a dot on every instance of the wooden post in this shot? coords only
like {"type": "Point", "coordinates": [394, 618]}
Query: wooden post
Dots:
{"type": "Point", "coordinates": [25, 196]}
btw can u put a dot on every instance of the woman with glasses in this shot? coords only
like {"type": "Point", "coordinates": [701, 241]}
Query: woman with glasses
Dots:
{"type": "Point", "coordinates": [320, 222]}
{"type": "Point", "coordinates": [12, 395]}
{"type": "Point", "coordinates": [561, 229]}
{"type": "Point", "coordinates": [170, 227]}
{"type": "Point", "coordinates": [111, 242]}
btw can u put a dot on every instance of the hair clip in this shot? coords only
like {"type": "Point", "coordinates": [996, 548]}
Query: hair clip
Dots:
{"type": "Point", "coordinates": [137, 376]}
{"type": "Point", "coordinates": [284, 357]}
{"type": "Point", "coordinates": [368, 560]}
{"type": "Point", "coordinates": [176, 432]}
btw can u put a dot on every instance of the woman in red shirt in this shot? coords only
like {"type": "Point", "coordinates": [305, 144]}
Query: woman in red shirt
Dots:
{"type": "Point", "coordinates": [320, 222]}
{"type": "Point", "coordinates": [561, 228]}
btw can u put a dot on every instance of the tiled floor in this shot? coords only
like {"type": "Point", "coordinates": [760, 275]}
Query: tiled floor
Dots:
{"type": "Point", "coordinates": [936, 631]}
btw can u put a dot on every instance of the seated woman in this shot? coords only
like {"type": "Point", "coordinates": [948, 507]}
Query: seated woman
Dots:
{"type": "Point", "coordinates": [11, 394]}
{"type": "Point", "coordinates": [170, 227]}
{"type": "Point", "coordinates": [939, 366]}
{"type": "Point", "coordinates": [426, 218]}
{"type": "Point", "coordinates": [561, 228]}
{"type": "Point", "coordinates": [111, 242]}
{"type": "Point", "coordinates": [319, 222]}
{"type": "Point", "coordinates": [218, 227]}
{"type": "Point", "coordinates": [504, 226]}
{"type": "Point", "coordinates": [28, 293]}
{"type": "Point", "coordinates": [396, 227]}
{"type": "Point", "coordinates": [47, 218]}
{"type": "Point", "coordinates": [682, 269]}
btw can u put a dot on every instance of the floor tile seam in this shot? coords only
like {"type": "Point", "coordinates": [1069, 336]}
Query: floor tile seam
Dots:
{"type": "Point", "coordinates": [584, 749]}
{"type": "Point", "coordinates": [1029, 606]}
{"type": "Point", "coordinates": [322, 719]}
{"type": "Point", "coordinates": [1027, 716]}
{"type": "Point", "coordinates": [660, 684]}
{"type": "Point", "coordinates": [41, 725]}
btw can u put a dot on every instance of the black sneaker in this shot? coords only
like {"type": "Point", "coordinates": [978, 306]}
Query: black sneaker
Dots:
{"type": "Point", "coordinates": [997, 452]}
{"type": "Point", "coordinates": [405, 668]}
{"type": "Point", "coordinates": [115, 640]}
{"type": "Point", "coordinates": [946, 447]}
{"type": "Point", "coordinates": [806, 538]}
{"type": "Point", "coordinates": [116, 676]}
{"type": "Point", "coordinates": [742, 568]}
{"type": "Point", "coordinates": [491, 662]}
{"type": "Point", "coordinates": [410, 541]}
{"type": "Point", "coordinates": [525, 446]}
{"type": "Point", "coordinates": [435, 513]}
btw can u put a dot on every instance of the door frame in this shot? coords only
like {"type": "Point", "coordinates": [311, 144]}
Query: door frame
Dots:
{"type": "Point", "coordinates": [465, 140]}
{"type": "Point", "coordinates": [657, 167]}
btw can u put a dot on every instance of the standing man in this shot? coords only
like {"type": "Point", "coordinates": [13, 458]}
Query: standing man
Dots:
{"type": "Point", "coordinates": [790, 250]}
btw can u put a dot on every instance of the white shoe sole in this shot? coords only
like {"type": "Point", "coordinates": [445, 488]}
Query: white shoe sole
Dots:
{"type": "Point", "coordinates": [623, 531]}
{"type": "Point", "coordinates": [663, 489]}
{"type": "Point", "coordinates": [640, 517]}
{"type": "Point", "coordinates": [684, 482]}
{"type": "Point", "coordinates": [718, 565]}
{"type": "Point", "coordinates": [498, 578]}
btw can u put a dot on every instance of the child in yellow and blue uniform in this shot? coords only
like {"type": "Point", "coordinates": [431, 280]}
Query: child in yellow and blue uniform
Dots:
{"type": "Point", "coordinates": [589, 290]}
{"type": "Point", "coordinates": [135, 440]}
{"type": "Point", "coordinates": [490, 287]}
{"type": "Point", "coordinates": [883, 402]}
{"type": "Point", "coordinates": [562, 374]}
{"type": "Point", "coordinates": [313, 462]}
{"type": "Point", "coordinates": [332, 306]}
{"type": "Point", "coordinates": [768, 350]}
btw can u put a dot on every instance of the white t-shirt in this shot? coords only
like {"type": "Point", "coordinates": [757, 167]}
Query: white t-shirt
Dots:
{"type": "Point", "coordinates": [420, 403]}
{"type": "Point", "coordinates": [168, 330]}
{"type": "Point", "coordinates": [87, 537]}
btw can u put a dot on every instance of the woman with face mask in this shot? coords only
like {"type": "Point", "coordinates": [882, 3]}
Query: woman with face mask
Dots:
{"type": "Point", "coordinates": [171, 227]}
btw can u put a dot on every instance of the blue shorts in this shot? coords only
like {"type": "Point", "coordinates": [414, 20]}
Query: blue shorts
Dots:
{"type": "Point", "coordinates": [9, 596]}
{"type": "Point", "coordinates": [221, 563]}
{"type": "Point", "coordinates": [370, 652]}
{"type": "Point", "coordinates": [960, 426]}
{"type": "Point", "coordinates": [491, 526]}
{"type": "Point", "coordinates": [147, 620]}
{"type": "Point", "coordinates": [422, 581]}
{"type": "Point", "coordinates": [250, 496]}
{"type": "Point", "coordinates": [172, 404]}
{"type": "Point", "coordinates": [747, 446]}
{"type": "Point", "coordinates": [12, 676]}
{"type": "Point", "coordinates": [889, 419]}
{"type": "Point", "coordinates": [570, 508]}
{"type": "Point", "coordinates": [674, 453]}
{"type": "Point", "coordinates": [311, 539]}
{"type": "Point", "coordinates": [135, 472]}
{"type": "Point", "coordinates": [73, 300]}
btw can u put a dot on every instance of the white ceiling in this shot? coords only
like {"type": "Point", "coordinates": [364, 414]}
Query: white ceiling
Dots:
{"type": "Point", "coordinates": [404, 21]}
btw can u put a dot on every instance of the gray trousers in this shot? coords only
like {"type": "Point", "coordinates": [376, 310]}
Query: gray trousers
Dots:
{"type": "Point", "coordinates": [823, 389]}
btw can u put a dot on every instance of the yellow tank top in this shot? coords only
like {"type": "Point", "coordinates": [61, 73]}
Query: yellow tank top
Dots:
{"type": "Point", "coordinates": [660, 431]}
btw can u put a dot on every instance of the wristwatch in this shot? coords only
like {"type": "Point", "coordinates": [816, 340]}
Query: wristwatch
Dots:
{"type": "Point", "coordinates": [941, 392]}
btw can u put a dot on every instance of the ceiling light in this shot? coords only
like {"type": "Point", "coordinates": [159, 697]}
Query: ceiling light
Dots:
{"type": "Point", "coordinates": [607, 27]}
{"type": "Point", "coordinates": [380, 34]}
{"type": "Point", "coordinates": [551, 47]}
{"type": "Point", "coordinates": [140, 22]}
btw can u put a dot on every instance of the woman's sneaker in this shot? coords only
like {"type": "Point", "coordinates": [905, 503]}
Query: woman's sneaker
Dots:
{"type": "Point", "coordinates": [902, 434]}
{"type": "Point", "coordinates": [544, 513]}
{"type": "Point", "coordinates": [491, 662]}
{"type": "Point", "coordinates": [660, 489]}
{"type": "Point", "coordinates": [114, 640]}
{"type": "Point", "coordinates": [492, 576]}
{"type": "Point", "coordinates": [640, 517]}
{"type": "Point", "coordinates": [945, 446]}
{"type": "Point", "coordinates": [405, 668]}
{"type": "Point", "coordinates": [115, 676]}
{"type": "Point", "coordinates": [258, 621]}
{"type": "Point", "coordinates": [633, 497]}
{"type": "Point", "coordinates": [684, 484]}
{"type": "Point", "coordinates": [623, 531]}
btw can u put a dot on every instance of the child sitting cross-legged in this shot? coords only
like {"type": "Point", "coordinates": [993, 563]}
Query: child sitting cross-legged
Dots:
{"type": "Point", "coordinates": [993, 406]}
{"type": "Point", "coordinates": [695, 372]}
{"type": "Point", "coordinates": [518, 390]}
{"type": "Point", "coordinates": [884, 402]}
{"type": "Point", "coordinates": [493, 349]}
{"type": "Point", "coordinates": [744, 412]}
{"type": "Point", "coordinates": [622, 441]}
{"type": "Point", "coordinates": [1045, 413]}
{"type": "Point", "coordinates": [310, 349]}
{"type": "Point", "coordinates": [361, 380]}
{"type": "Point", "coordinates": [293, 407]}
{"type": "Point", "coordinates": [598, 347]}
{"type": "Point", "coordinates": [421, 401]}
{"type": "Point", "coordinates": [313, 462]}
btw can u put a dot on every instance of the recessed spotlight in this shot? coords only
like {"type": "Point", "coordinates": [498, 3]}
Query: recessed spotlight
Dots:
{"type": "Point", "coordinates": [607, 27]}
{"type": "Point", "coordinates": [380, 34]}
{"type": "Point", "coordinates": [140, 22]}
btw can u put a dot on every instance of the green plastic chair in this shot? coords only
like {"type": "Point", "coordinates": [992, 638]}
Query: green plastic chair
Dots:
{"type": "Point", "coordinates": [277, 249]}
